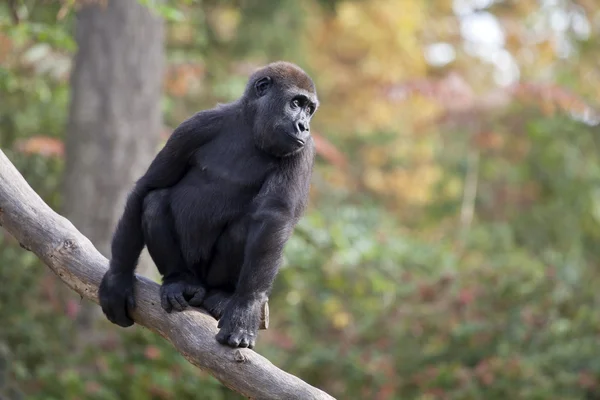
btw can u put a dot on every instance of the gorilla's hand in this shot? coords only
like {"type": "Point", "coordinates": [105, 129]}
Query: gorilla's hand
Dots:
{"type": "Point", "coordinates": [239, 323]}
{"type": "Point", "coordinates": [116, 295]}
{"type": "Point", "coordinates": [178, 295]}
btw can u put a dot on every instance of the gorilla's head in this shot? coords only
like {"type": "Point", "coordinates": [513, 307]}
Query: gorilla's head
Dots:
{"type": "Point", "coordinates": [281, 99]}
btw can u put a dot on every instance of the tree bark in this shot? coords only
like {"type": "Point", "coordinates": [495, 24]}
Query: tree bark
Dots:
{"type": "Point", "coordinates": [78, 264]}
{"type": "Point", "coordinates": [114, 118]}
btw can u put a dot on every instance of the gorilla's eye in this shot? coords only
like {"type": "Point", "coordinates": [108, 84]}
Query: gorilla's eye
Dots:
{"type": "Point", "coordinates": [311, 110]}
{"type": "Point", "coordinates": [296, 103]}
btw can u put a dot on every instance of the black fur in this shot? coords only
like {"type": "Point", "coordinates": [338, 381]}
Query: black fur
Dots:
{"type": "Point", "coordinates": [218, 204]}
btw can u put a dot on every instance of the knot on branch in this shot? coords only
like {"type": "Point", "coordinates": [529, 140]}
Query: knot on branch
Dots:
{"type": "Point", "coordinates": [239, 357]}
{"type": "Point", "coordinates": [67, 246]}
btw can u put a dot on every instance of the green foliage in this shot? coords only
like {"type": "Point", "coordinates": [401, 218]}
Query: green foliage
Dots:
{"type": "Point", "coordinates": [414, 302]}
{"type": "Point", "coordinates": [389, 314]}
{"type": "Point", "coordinates": [150, 368]}
{"type": "Point", "coordinates": [166, 11]}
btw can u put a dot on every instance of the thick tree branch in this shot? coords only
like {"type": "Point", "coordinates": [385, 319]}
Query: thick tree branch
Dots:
{"type": "Point", "coordinates": [77, 262]}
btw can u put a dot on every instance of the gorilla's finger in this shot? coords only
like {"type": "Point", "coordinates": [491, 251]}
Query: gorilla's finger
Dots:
{"type": "Point", "coordinates": [222, 337]}
{"type": "Point", "coordinates": [193, 290]}
{"type": "Point", "coordinates": [234, 340]}
{"type": "Point", "coordinates": [165, 303]}
{"type": "Point", "coordinates": [178, 302]}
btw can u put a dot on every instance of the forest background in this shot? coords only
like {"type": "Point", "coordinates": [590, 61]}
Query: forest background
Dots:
{"type": "Point", "coordinates": [450, 250]}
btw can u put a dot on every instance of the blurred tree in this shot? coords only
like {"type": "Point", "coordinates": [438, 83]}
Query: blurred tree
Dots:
{"type": "Point", "coordinates": [115, 115]}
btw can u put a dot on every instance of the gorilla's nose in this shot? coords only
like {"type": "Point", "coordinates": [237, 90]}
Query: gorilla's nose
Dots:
{"type": "Point", "coordinates": [301, 127]}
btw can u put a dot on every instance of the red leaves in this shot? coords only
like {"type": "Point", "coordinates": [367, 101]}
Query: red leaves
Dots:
{"type": "Point", "coordinates": [72, 309]}
{"type": "Point", "coordinates": [587, 380]}
{"type": "Point", "coordinates": [181, 78]}
{"type": "Point", "coordinates": [329, 152]}
{"type": "Point", "coordinates": [41, 145]}
{"type": "Point", "coordinates": [553, 97]}
{"type": "Point", "coordinates": [456, 96]}
{"type": "Point", "coordinates": [466, 296]}
{"type": "Point", "coordinates": [152, 352]}
{"type": "Point", "coordinates": [484, 372]}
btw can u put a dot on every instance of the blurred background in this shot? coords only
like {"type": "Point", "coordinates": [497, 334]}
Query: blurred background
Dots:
{"type": "Point", "coordinates": [450, 250]}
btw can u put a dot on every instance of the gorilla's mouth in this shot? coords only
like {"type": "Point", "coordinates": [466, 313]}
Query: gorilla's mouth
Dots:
{"type": "Point", "coordinates": [299, 141]}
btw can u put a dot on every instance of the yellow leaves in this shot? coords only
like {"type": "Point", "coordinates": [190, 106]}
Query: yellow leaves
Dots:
{"type": "Point", "coordinates": [293, 298]}
{"type": "Point", "coordinates": [453, 188]}
{"type": "Point", "coordinates": [383, 33]}
{"type": "Point", "coordinates": [224, 20]}
{"type": "Point", "coordinates": [545, 54]}
{"type": "Point", "coordinates": [336, 178]}
{"type": "Point", "coordinates": [415, 187]}
{"type": "Point", "coordinates": [349, 15]}
{"type": "Point", "coordinates": [526, 7]}
{"type": "Point", "coordinates": [341, 320]}
{"type": "Point", "coordinates": [182, 34]}
{"type": "Point", "coordinates": [375, 180]}
{"type": "Point", "coordinates": [358, 51]}
{"type": "Point", "coordinates": [375, 156]}
{"type": "Point", "coordinates": [421, 109]}
{"type": "Point", "coordinates": [380, 115]}
{"type": "Point", "coordinates": [404, 169]}
{"type": "Point", "coordinates": [339, 317]}
{"type": "Point", "coordinates": [422, 151]}
{"type": "Point", "coordinates": [332, 307]}
{"type": "Point", "coordinates": [410, 186]}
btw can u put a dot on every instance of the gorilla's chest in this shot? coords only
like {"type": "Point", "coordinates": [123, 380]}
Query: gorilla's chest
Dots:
{"type": "Point", "coordinates": [228, 166]}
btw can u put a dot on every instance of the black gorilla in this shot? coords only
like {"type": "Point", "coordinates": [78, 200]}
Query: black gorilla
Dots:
{"type": "Point", "coordinates": [218, 204]}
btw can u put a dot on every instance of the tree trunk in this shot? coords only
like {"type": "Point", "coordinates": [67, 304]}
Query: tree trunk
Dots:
{"type": "Point", "coordinates": [115, 117]}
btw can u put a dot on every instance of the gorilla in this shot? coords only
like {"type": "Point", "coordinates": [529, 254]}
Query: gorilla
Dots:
{"type": "Point", "coordinates": [217, 205]}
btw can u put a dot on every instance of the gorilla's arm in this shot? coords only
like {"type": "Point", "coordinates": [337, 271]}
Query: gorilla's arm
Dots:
{"type": "Point", "coordinates": [278, 207]}
{"type": "Point", "coordinates": [167, 168]}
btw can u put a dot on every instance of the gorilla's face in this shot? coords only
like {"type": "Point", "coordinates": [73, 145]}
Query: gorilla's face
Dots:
{"type": "Point", "coordinates": [283, 114]}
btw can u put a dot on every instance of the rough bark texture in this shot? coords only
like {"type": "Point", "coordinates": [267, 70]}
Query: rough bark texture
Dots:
{"type": "Point", "coordinates": [115, 113]}
{"type": "Point", "coordinates": [77, 262]}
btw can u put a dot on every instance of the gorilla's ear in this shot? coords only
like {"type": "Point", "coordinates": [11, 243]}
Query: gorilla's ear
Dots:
{"type": "Point", "coordinates": [262, 86]}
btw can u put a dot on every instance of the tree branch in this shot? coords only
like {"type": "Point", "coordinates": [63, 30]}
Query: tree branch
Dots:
{"type": "Point", "coordinates": [77, 262]}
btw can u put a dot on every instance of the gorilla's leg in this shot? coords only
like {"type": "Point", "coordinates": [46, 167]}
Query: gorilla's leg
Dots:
{"type": "Point", "coordinates": [216, 301]}
{"type": "Point", "coordinates": [178, 286]}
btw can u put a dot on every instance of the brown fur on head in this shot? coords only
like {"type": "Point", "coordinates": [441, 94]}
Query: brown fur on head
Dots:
{"type": "Point", "coordinates": [285, 75]}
